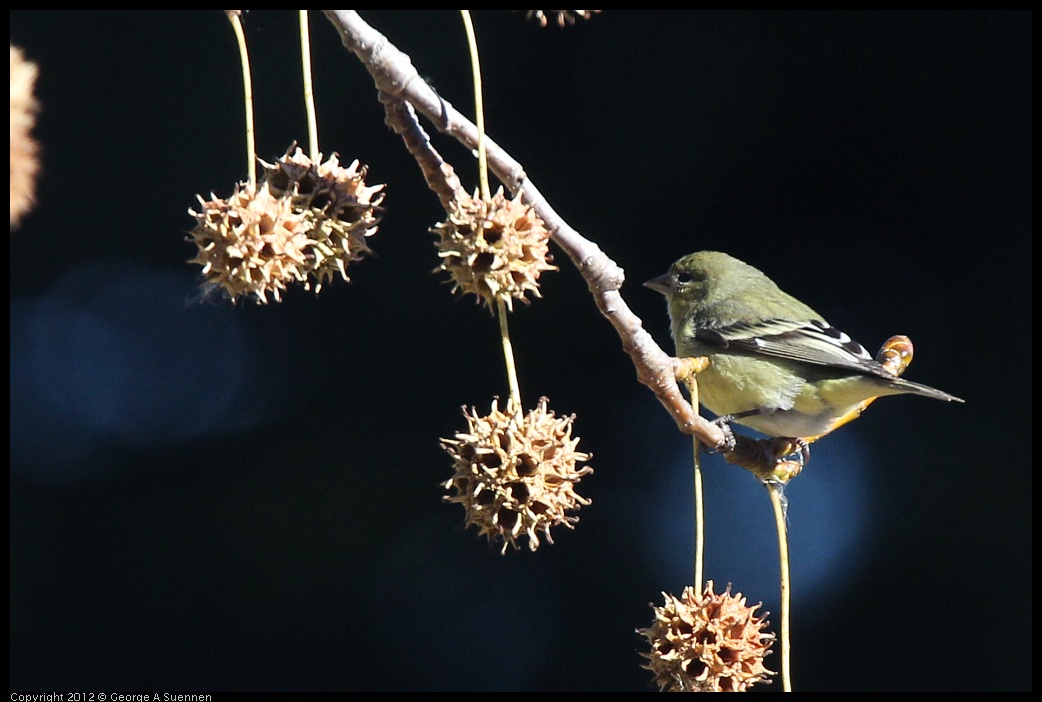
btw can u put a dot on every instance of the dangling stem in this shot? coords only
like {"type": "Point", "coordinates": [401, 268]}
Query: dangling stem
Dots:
{"type": "Point", "coordinates": [479, 122]}
{"type": "Point", "coordinates": [508, 356]}
{"type": "Point", "coordinates": [309, 89]}
{"type": "Point", "coordinates": [692, 386]}
{"type": "Point", "coordinates": [774, 489]}
{"type": "Point", "coordinates": [479, 110]}
{"type": "Point", "coordinates": [247, 89]}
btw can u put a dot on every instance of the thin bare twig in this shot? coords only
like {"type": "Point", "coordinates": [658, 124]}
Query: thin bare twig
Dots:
{"type": "Point", "coordinates": [441, 177]}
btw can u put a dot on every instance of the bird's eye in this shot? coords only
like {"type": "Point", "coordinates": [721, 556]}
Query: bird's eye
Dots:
{"type": "Point", "coordinates": [683, 277]}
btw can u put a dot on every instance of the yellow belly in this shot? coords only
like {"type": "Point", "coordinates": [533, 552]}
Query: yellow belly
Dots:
{"type": "Point", "coordinates": [791, 406]}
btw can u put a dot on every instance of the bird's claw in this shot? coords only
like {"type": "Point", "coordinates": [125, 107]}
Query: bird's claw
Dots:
{"type": "Point", "coordinates": [790, 449]}
{"type": "Point", "coordinates": [790, 456]}
{"type": "Point", "coordinates": [804, 449]}
{"type": "Point", "coordinates": [777, 460]}
{"type": "Point", "coordinates": [729, 441]}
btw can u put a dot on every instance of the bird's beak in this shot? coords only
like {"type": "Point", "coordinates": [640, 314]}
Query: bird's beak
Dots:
{"type": "Point", "coordinates": [660, 284]}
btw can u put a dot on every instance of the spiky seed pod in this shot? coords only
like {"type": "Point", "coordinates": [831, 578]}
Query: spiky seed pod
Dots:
{"type": "Point", "coordinates": [494, 249]}
{"type": "Point", "coordinates": [707, 643]}
{"type": "Point", "coordinates": [342, 209]}
{"type": "Point", "coordinates": [24, 163]}
{"type": "Point", "coordinates": [515, 477]}
{"type": "Point", "coordinates": [563, 17]}
{"type": "Point", "coordinates": [253, 243]}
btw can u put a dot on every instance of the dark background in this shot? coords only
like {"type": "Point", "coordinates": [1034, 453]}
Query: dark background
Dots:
{"type": "Point", "coordinates": [207, 497]}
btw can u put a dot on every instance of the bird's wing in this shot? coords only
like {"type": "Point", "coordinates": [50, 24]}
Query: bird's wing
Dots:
{"type": "Point", "coordinates": [808, 342]}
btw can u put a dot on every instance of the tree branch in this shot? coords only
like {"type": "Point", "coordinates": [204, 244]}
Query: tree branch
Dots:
{"type": "Point", "coordinates": [398, 82]}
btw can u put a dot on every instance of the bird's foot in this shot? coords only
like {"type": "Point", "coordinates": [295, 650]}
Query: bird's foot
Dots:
{"type": "Point", "coordinates": [729, 441]}
{"type": "Point", "coordinates": [790, 456]}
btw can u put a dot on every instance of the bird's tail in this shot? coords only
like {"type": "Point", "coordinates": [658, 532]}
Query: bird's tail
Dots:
{"type": "Point", "coordinates": [907, 386]}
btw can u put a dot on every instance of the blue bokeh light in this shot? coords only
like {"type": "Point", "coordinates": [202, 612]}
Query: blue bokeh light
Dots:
{"type": "Point", "coordinates": [116, 358]}
{"type": "Point", "coordinates": [829, 512]}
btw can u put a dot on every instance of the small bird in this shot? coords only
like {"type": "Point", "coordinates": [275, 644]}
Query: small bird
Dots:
{"type": "Point", "coordinates": [775, 365]}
